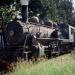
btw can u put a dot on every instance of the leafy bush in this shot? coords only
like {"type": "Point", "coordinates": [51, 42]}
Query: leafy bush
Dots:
{"type": "Point", "coordinates": [8, 12]}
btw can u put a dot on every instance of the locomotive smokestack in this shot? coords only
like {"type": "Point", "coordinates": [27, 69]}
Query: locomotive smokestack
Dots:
{"type": "Point", "coordinates": [24, 6]}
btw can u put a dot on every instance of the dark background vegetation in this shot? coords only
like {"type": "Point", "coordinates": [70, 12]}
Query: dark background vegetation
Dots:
{"type": "Point", "coordinates": [56, 10]}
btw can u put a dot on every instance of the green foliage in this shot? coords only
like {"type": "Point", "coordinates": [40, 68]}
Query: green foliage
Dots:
{"type": "Point", "coordinates": [35, 6]}
{"type": "Point", "coordinates": [56, 10]}
{"type": "Point", "coordinates": [65, 10]}
{"type": "Point", "coordinates": [7, 2]}
{"type": "Point", "coordinates": [8, 14]}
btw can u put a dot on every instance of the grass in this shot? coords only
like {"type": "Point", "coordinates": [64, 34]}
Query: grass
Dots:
{"type": "Point", "coordinates": [63, 65]}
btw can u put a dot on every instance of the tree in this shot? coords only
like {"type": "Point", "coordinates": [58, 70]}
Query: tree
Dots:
{"type": "Point", "coordinates": [56, 10]}
{"type": "Point", "coordinates": [65, 10]}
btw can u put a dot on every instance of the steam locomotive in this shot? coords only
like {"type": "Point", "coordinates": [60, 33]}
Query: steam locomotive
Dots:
{"type": "Point", "coordinates": [34, 40]}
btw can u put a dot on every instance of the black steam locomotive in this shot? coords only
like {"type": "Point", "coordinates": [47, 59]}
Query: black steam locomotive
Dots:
{"type": "Point", "coordinates": [18, 39]}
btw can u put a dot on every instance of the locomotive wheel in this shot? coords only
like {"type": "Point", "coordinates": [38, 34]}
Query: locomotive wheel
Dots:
{"type": "Point", "coordinates": [35, 51]}
{"type": "Point", "coordinates": [14, 33]}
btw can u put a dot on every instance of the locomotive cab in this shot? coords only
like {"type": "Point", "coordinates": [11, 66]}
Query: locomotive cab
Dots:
{"type": "Point", "coordinates": [71, 34]}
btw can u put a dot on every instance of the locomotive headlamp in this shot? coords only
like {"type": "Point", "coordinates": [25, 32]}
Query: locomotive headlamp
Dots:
{"type": "Point", "coordinates": [34, 36]}
{"type": "Point", "coordinates": [11, 33]}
